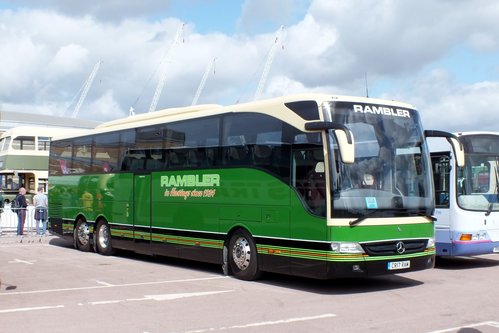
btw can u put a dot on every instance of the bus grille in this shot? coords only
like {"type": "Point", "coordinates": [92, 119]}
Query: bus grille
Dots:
{"type": "Point", "coordinates": [390, 247]}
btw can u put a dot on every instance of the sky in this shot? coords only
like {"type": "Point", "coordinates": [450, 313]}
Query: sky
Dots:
{"type": "Point", "coordinates": [442, 56]}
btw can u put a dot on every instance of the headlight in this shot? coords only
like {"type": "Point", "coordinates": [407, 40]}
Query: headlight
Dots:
{"type": "Point", "coordinates": [431, 243]}
{"type": "Point", "coordinates": [345, 247]}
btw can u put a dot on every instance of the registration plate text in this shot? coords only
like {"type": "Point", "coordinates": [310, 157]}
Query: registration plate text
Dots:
{"type": "Point", "coordinates": [399, 264]}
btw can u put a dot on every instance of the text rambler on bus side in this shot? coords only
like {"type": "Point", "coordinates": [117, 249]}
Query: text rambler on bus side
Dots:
{"type": "Point", "coordinates": [205, 180]}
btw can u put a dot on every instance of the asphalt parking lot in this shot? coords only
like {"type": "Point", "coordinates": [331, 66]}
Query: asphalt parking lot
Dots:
{"type": "Point", "coordinates": [47, 286]}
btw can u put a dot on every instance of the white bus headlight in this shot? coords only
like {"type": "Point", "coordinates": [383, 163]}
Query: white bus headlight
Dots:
{"type": "Point", "coordinates": [431, 243]}
{"type": "Point", "coordinates": [346, 247]}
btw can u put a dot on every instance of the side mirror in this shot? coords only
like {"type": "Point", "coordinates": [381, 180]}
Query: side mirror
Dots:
{"type": "Point", "coordinates": [458, 149]}
{"type": "Point", "coordinates": [347, 147]}
{"type": "Point", "coordinates": [457, 146]}
{"type": "Point", "coordinates": [343, 135]}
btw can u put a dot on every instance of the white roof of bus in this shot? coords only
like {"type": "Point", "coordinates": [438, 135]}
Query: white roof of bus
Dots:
{"type": "Point", "coordinates": [40, 131]}
{"type": "Point", "coordinates": [267, 106]}
{"type": "Point", "coordinates": [157, 114]}
{"type": "Point", "coordinates": [476, 133]}
{"type": "Point", "coordinates": [442, 145]}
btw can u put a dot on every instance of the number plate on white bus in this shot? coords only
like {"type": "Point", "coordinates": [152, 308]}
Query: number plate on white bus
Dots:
{"type": "Point", "coordinates": [399, 265]}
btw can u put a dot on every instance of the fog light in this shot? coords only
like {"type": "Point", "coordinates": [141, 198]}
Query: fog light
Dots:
{"type": "Point", "coordinates": [356, 268]}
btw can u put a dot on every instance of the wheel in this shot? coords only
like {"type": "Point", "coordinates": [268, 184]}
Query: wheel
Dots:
{"type": "Point", "coordinates": [243, 259]}
{"type": "Point", "coordinates": [103, 239]}
{"type": "Point", "coordinates": [82, 236]}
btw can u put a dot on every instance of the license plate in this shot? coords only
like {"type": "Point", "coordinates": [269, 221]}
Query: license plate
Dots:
{"type": "Point", "coordinates": [495, 249]}
{"type": "Point", "coordinates": [399, 265]}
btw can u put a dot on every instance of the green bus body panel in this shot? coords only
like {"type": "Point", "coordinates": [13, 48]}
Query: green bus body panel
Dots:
{"type": "Point", "coordinates": [106, 195]}
{"type": "Point", "coordinates": [367, 233]}
{"type": "Point", "coordinates": [245, 197]}
{"type": "Point", "coordinates": [142, 205]}
{"type": "Point", "coordinates": [197, 208]}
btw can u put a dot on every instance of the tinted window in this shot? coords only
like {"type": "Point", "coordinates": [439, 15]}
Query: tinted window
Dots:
{"type": "Point", "coordinates": [60, 157]}
{"type": "Point", "coordinates": [308, 110]}
{"type": "Point", "coordinates": [106, 152]}
{"type": "Point", "coordinates": [82, 155]}
{"type": "Point", "coordinates": [257, 140]}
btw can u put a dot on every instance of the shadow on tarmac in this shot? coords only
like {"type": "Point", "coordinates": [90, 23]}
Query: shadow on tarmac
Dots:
{"type": "Point", "coordinates": [324, 287]}
{"type": "Point", "coordinates": [341, 286]}
{"type": "Point", "coordinates": [460, 263]}
{"type": "Point", "coordinates": [61, 242]}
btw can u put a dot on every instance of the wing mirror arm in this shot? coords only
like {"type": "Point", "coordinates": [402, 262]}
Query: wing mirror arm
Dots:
{"type": "Point", "coordinates": [344, 137]}
{"type": "Point", "coordinates": [456, 144]}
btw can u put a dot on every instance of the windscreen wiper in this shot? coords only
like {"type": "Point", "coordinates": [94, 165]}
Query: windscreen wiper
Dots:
{"type": "Point", "coordinates": [365, 216]}
{"type": "Point", "coordinates": [386, 213]}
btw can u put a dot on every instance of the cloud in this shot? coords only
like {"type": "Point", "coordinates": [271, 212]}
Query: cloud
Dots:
{"type": "Point", "coordinates": [109, 10]}
{"type": "Point", "coordinates": [68, 59]}
{"type": "Point", "coordinates": [259, 16]}
{"type": "Point", "coordinates": [402, 46]}
{"type": "Point", "coordinates": [105, 102]}
{"type": "Point", "coordinates": [468, 108]}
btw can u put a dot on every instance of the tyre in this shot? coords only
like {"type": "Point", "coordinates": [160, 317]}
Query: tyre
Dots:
{"type": "Point", "coordinates": [82, 236]}
{"type": "Point", "coordinates": [103, 239]}
{"type": "Point", "coordinates": [243, 260]}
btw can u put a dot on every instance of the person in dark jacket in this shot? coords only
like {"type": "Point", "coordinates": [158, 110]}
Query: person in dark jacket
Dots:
{"type": "Point", "coordinates": [21, 211]}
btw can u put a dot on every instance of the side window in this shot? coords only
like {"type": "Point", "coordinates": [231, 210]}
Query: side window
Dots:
{"type": "Point", "coordinates": [127, 142]}
{"type": "Point", "coordinates": [24, 143]}
{"type": "Point", "coordinates": [147, 154]}
{"type": "Point", "coordinates": [184, 144]}
{"type": "Point", "coordinates": [60, 157]}
{"type": "Point", "coordinates": [308, 171]}
{"type": "Point", "coordinates": [257, 140]}
{"type": "Point", "coordinates": [43, 143]}
{"type": "Point", "coordinates": [82, 155]}
{"type": "Point", "coordinates": [193, 143]}
{"type": "Point", "coordinates": [308, 110]}
{"type": "Point", "coordinates": [106, 152]}
{"type": "Point", "coordinates": [441, 177]}
{"type": "Point", "coordinates": [71, 156]}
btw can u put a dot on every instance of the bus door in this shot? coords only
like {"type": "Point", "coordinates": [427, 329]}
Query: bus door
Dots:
{"type": "Point", "coordinates": [442, 182]}
{"type": "Point", "coordinates": [142, 212]}
{"type": "Point", "coordinates": [308, 217]}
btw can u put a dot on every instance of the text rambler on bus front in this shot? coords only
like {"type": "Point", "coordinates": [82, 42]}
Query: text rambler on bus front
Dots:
{"type": "Point", "coordinates": [382, 110]}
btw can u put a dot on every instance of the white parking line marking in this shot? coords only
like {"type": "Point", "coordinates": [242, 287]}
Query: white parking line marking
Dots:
{"type": "Point", "coordinates": [19, 261]}
{"type": "Point", "coordinates": [106, 302]}
{"type": "Point", "coordinates": [455, 329]}
{"type": "Point", "coordinates": [266, 323]}
{"type": "Point", "coordinates": [104, 283]}
{"type": "Point", "coordinates": [44, 291]}
{"type": "Point", "coordinates": [169, 297]}
{"type": "Point", "coordinates": [31, 309]}
{"type": "Point", "coordinates": [164, 297]}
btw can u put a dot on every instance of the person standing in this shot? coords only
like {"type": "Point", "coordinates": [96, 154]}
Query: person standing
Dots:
{"type": "Point", "coordinates": [40, 201]}
{"type": "Point", "coordinates": [21, 211]}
